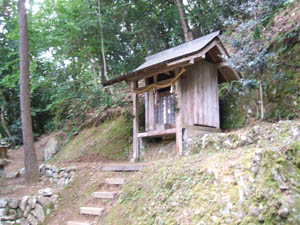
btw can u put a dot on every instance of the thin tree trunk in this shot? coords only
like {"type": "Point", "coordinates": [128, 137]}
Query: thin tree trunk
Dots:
{"type": "Point", "coordinates": [3, 123]}
{"type": "Point", "coordinates": [102, 42]}
{"type": "Point", "coordinates": [188, 36]}
{"type": "Point", "coordinates": [31, 166]}
{"type": "Point", "coordinates": [262, 113]}
{"type": "Point", "coordinates": [102, 48]}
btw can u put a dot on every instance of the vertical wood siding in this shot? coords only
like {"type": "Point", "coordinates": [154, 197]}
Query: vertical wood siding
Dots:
{"type": "Point", "coordinates": [200, 100]}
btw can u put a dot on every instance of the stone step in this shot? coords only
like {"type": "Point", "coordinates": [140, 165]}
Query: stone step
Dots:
{"type": "Point", "coordinates": [115, 181]}
{"type": "Point", "coordinates": [105, 195]}
{"type": "Point", "coordinates": [121, 168]}
{"type": "Point", "coordinates": [77, 223]}
{"type": "Point", "coordinates": [91, 211]}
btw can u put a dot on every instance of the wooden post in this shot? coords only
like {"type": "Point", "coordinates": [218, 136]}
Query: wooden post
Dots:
{"type": "Point", "coordinates": [135, 99]}
{"type": "Point", "coordinates": [179, 135]}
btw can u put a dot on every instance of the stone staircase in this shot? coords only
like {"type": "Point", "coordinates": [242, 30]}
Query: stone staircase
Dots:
{"type": "Point", "coordinates": [91, 213]}
{"type": "Point", "coordinates": [94, 212]}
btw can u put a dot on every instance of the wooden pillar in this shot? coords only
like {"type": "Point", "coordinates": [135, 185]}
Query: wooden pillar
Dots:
{"type": "Point", "coordinates": [179, 135]}
{"type": "Point", "coordinates": [135, 99]}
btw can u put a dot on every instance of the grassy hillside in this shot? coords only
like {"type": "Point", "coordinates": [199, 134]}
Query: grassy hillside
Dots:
{"type": "Point", "coordinates": [109, 141]}
{"type": "Point", "coordinates": [250, 179]}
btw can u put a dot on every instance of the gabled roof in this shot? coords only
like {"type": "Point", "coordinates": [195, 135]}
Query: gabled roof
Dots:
{"type": "Point", "coordinates": [208, 46]}
{"type": "Point", "coordinates": [180, 50]}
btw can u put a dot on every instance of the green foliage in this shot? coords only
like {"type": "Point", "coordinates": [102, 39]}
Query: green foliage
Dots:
{"type": "Point", "coordinates": [233, 114]}
{"type": "Point", "coordinates": [66, 60]}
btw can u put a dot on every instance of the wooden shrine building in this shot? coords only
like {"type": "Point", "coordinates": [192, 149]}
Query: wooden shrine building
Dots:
{"type": "Point", "coordinates": [180, 88]}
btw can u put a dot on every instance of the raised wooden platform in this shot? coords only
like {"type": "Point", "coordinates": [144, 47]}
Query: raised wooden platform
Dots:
{"type": "Point", "coordinates": [157, 133]}
{"type": "Point", "coordinates": [122, 168]}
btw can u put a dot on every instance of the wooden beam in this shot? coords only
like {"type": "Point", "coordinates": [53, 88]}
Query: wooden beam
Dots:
{"type": "Point", "coordinates": [135, 144]}
{"type": "Point", "coordinates": [158, 70]}
{"type": "Point", "coordinates": [179, 133]}
{"type": "Point", "coordinates": [157, 133]}
{"type": "Point", "coordinates": [191, 58]}
{"type": "Point", "coordinates": [160, 83]}
{"type": "Point", "coordinates": [220, 65]}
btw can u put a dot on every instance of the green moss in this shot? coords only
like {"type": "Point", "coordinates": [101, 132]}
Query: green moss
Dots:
{"type": "Point", "coordinates": [111, 140]}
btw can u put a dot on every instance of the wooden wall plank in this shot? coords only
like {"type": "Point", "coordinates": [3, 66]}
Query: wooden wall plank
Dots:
{"type": "Point", "coordinates": [200, 95]}
{"type": "Point", "coordinates": [179, 132]}
{"type": "Point", "coordinates": [146, 111]}
{"type": "Point", "coordinates": [151, 111]}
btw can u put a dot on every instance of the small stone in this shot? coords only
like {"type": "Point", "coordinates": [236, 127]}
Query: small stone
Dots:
{"type": "Point", "coordinates": [48, 173]}
{"type": "Point", "coordinates": [61, 174]}
{"type": "Point", "coordinates": [32, 220]}
{"type": "Point", "coordinates": [44, 201]}
{"type": "Point", "coordinates": [23, 202]}
{"type": "Point", "coordinates": [12, 213]}
{"type": "Point", "coordinates": [215, 219]}
{"type": "Point", "coordinates": [32, 201]}
{"type": "Point", "coordinates": [7, 221]}
{"type": "Point", "coordinates": [38, 212]}
{"type": "Point", "coordinates": [3, 202]}
{"type": "Point", "coordinates": [22, 171]}
{"type": "Point", "coordinates": [12, 175]}
{"type": "Point", "coordinates": [284, 212]}
{"type": "Point", "coordinates": [261, 218]}
{"type": "Point", "coordinates": [254, 211]}
{"type": "Point", "coordinates": [3, 162]}
{"type": "Point", "coordinates": [55, 175]}
{"type": "Point", "coordinates": [19, 213]}
{"type": "Point", "coordinates": [61, 182]}
{"type": "Point", "coordinates": [3, 212]}
{"type": "Point", "coordinates": [54, 198]}
{"type": "Point", "coordinates": [47, 192]}
{"type": "Point", "coordinates": [22, 221]}
{"type": "Point", "coordinates": [27, 211]}
{"type": "Point", "coordinates": [42, 169]}
{"type": "Point", "coordinates": [241, 196]}
{"type": "Point", "coordinates": [67, 180]}
{"type": "Point", "coordinates": [13, 203]}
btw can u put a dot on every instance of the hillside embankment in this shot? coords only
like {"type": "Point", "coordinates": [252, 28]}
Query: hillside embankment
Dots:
{"type": "Point", "coordinates": [247, 176]}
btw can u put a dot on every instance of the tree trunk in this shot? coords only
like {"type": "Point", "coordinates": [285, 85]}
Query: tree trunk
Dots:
{"type": "Point", "coordinates": [102, 48]}
{"type": "Point", "coordinates": [31, 166]}
{"type": "Point", "coordinates": [102, 42]}
{"type": "Point", "coordinates": [188, 36]}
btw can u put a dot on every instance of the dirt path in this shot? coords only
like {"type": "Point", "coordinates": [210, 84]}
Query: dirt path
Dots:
{"type": "Point", "coordinates": [17, 187]}
{"type": "Point", "coordinates": [16, 157]}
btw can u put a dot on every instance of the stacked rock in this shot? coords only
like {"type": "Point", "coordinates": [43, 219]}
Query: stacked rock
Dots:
{"type": "Point", "coordinates": [61, 176]}
{"type": "Point", "coordinates": [30, 210]}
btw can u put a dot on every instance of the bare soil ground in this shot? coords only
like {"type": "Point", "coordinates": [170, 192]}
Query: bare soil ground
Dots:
{"type": "Point", "coordinates": [17, 187]}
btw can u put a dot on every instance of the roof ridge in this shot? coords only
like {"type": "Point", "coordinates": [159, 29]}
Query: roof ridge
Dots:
{"type": "Point", "coordinates": [167, 51]}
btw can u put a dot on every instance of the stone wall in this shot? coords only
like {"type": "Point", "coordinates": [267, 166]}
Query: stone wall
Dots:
{"type": "Point", "coordinates": [252, 135]}
{"type": "Point", "coordinates": [30, 210]}
{"type": "Point", "coordinates": [61, 176]}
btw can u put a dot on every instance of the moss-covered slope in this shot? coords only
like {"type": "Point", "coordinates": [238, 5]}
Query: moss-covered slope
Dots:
{"type": "Point", "coordinates": [251, 183]}
{"type": "Point", "coordinates": [111, 140]}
